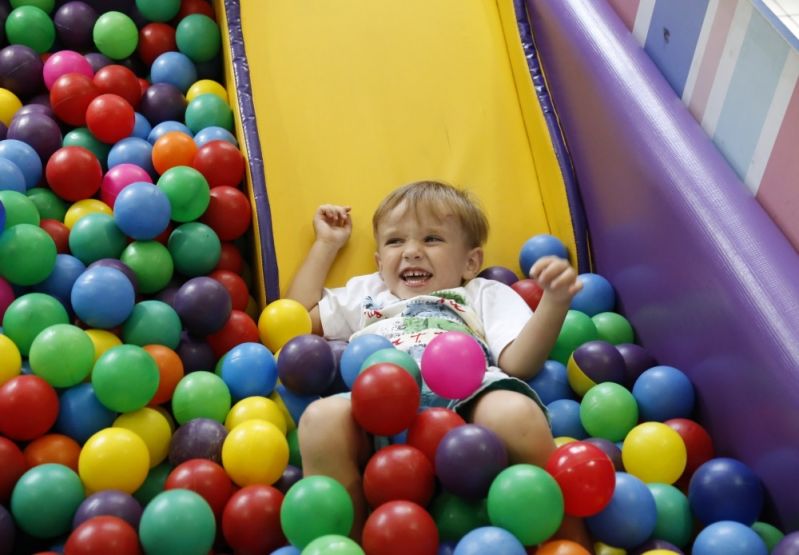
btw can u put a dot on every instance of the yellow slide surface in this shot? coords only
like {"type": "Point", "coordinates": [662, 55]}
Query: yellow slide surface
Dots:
{"type": "Point", "coordinates": [356, 97]}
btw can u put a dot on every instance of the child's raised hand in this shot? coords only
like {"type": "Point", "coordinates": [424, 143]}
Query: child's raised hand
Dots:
{"type": "Point", "coordinates": [332, 224]}
{"type": "Point", "coordinates": [556, 277]}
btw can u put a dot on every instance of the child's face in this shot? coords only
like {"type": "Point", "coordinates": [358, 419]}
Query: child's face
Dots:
{"type": "Point", "coordinates": [418, 252]}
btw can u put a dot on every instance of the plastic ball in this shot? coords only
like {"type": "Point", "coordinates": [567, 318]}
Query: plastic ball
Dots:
{"type": "Point", "coordinates": [206, 478]}
{"type": "Point", "coordinates": [119, 177]}
{"type": "Point", "coordinates": [10, 359]}
{"type": "Point", "coordinates": [255, 452]}
{"type": "Point", "coordinates": [564, 416]}
{"type": "Point", "coordinates": [537, 247]}
{"type": "Point", "coordinates": [630, 517]}
{"type": "Point", "coordinates": [726, 489]}
{"type": "Point", "coordinates": [28, 407]}
{"type": "Point", "coordinates": [203, 305]}
{"type": "Point", "coordinates": [636, 360]}
{"type": "Point", "coordinates": [561, 547]}
{"type": "Point", "coordinates": [400, 527]}
{"type": "Point", "coordinates": [83, 208]}
{"type": "Point", "coordinates": [771, 535]}
{"type": "Point", "coordinates": [239, 328]}
{"type": "Point", "coordinates": [199, 438]}
{"type": "Point", "coordinates": [499, 273]}
{"type": "Point", "coordinates": [153, 427]}
{"type": "Point", "coordinates": [214, 133]}
{"type": "Point", "coordinates": [195, 249]}
{"type": "Point", "coordinates": [551, 383]}
{"type": "Point", "coordinates": [102, 340]}
{"type": "Point", "coordinates": [489, 539]}
{"type": "Point", "coordinates": [129, 365]}
{"type": "Point", "coordinates": [81, 136]}
{"type": "Point", "coordinates": [70, 96]}
{"type": "Point", "coordinates": [174, 68]}
{"type": "Point", "coordinates": [306, 365]}
{"type": "Point", "coordinates": [586, 477]}
{"type": "Point", "coordinates": [74, 173]}
{"type": "Point", "coordinates": [187, 191]}
{"type": "Point", "coordinates": [73, 23]}
{"type": "Point", "coordinates": [114, 458]}
{"type": "Point", "coordinates": [19, 209]}
{"type": "Point", "coordinates": [205, 86]}
{"type": "Point", "coordinates": [453, 365]}
{"type": "Point", "coordinates": [730, 538]}
{"type": "Point", "coordinates": [282, 320]}
{"type": "Point", "coordinates": [151, 262]}
{"type": "Point", "coordinates": [394, 356]}
{"type": "Point", "coordinates": [103, 297]}
{"type": "Point", "coordinates": [173, 148]}
{"type": "Point", "coordinates": [177, 521]}
{"type": "Point", "coordinates": [63, 62]}
{"type": "Point", "coordinates": [95, 237]}
{"type": "Point", "coordinates": [132, 150]}
{"type": "Point", "coordinates": [398, 472]}
{"type": "Point", "coordinates": [80, 413]}
{"type": "Point", "coordinates": [235, 285]}
{"type": "Point", "coordinates": [654, 452]}
{"type": "Point", "coordinates": [228, 213]}
{"type": "Point", "coordinates": [142, 211]}
{"type": "Point", "coordinates": [116, 264]}
{"type": "Point", "coordinates": [154, 40]}
{"type": "Point", "coordinates": [21, 70]}
{"type": "Point", "coordinates": [50, 207]}
{"type": "Point", "coordinates": [530, 291]}
{"type": "Point", "coordinates": [162, 102]}
{"type": "Point", "coordinates": [594, 362]}
{"type": "Point", "coordinates": [38, 130]}
{"type": "Point", "coordinates": [328, 544]}
{"type": "Point", "coordinates": [455, 516]}
{"type": "Point", "coordinates": [789, 545]}
{"type": "Point", "coordinates": [45, 498]}
{"type": "Point", "coordinates": [170, 371]}
{"type": "Point", "coordinates": [609, 411]}
{"type": "Point", "coordinates": [613, 327]}
{"type": "Point", "coordinates": [103, 533]}
{"type": "Point", "coordinates": [249, 369]}
{"type": "Point", "coordinates": [221, 163]}
{"type": "Point", "coordinates": [120, 81]}
{"type": "Point", "coordinates": [468, 458]}
{"type": "Point", "coordinates": [663, 393]}
{"type": "Point", "coordinates": [62, 354]}
{"type": "Point", "coordinates": [313, 507]}
{"type": "Point", "coordinates": [208, 110]}
{"type": "Point", "coordinates": [153, 484]}
{"type": "Point", "coordinates": [115, 35]}
{"type": "Point", "coordinates": [11, 178]}
{"type": "Point", "coordinates": [158, 10]}
{"type": "Point", "coordinates": [109, 503]}
{"type": "Point", "coordinates": [30, 314]}
{"type": "Point", "coordinates": [201, 395]}
{"type": "Point", "coordinates": [198, 37]}
{"type": "Point", "coordinates": [578, 328]}
{"type": "Point", "coordinates": [256, 408]}
{"type": "Point", "coordinates": [251, 520]}
{"type": "Point", "coordinates": [31, 26]}
{"type": "Point", "coordinates": [357, 351]}
{"type": "Point", "coordinates": [385, 399]}
{"type": "Point", "coordinates": [25, 158]}
{"type": "Point", "coordinates": [429, 427]}
{"type": "Point", "coordinates": [698, 443]}
{"type": "Point", "coordinates": [110, 118]}
{"type": "Point", "coordinates": [597, 295]}
{"type": "Point", "coordinates": [27, 254]}
{"type": "Point", "coordinates": [165, 127]}
{"type": "Point", "coordinates": [12, 465]}
{"type": "Point", "coordinates": [674, 519]}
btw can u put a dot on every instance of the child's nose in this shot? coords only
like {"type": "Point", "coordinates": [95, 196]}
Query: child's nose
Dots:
{"type": "Point", "coordinates": [412, 250]}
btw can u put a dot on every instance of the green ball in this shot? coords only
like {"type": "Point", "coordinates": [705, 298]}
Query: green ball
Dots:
{"type": "Point", "coordinates": [613, 328]}
{"type": "Point", "coordinates": [313, 507]}
{"type": "Point", "coordinates": [187, 191]}
{"type": "Point", "coordinates": [674, 521]}
{"type": "Point", "coordinates": [153, 484]}
{"type": "Point", "coordinates": [151, 263]}
{"type": "Point", "coordinates": [771, 535]}
{"type": "Point", "coordinates": [195, 249]}
{"type": "Point", "coordinates": [32, 27]}
{"type": "Point", "coordinates": [152, 322]}
{"type": "Point", "coordinates": [577, 329]}
{"type": "Point", "coordinates": [455, 517]}
{"type": "Point", "coordinates": [198, 37]}
{"type": "Point", "coordinates": [609, 411]}
{"type": "Point", "coordinates": [527, 501]}
{"type": "Point", "coordinates": [115, 35]}
{"type": "Point", "coordinates": [27, 254]}
{"type": "Point", "coordinates": [96, 236]}
{"type": "Point", "coordinates": [395, 356]}
{"type": "Point", "coordinates": [62, 354]}
{"type": "Point", "coordinates": [158, 10]}
{"type": "Point", "coordinates": [44, 5]}
{"type": "Point", "coordinates": [45, 499]}
{"type": "Point", "coordinates": [207, 110]}
{"type": "Point", "coordinates": [20, 209]}
{"type": "Point", "coordinates": [125, 378]}
{"type": "Point", "coordinates": [333, 544]}
{"type": "Point", "coordinates": [201, 394]}
{"type": "Point", "coordinates": [177, 522]}
{"type": "Point", "coordinates": [295, 457]}
{"type": "Point", "coordinates": [81, 136]}
{"type": "Point", "coordinates": [47, 203]}
{"type": "Point", "coordinates": [29, 315]}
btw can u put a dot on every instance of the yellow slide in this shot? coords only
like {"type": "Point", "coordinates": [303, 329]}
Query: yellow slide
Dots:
{"type": "Point", "coordinates": [356, 97]}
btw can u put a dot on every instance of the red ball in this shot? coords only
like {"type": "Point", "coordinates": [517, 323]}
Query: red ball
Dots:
{"type": "Point", "coordinates": [119, 80]}
{"type": "Point", "coordinates": [28, 407]}
{"type": "Point", "coordinates": [399, 472]}
{"type": "Point", "coordinates": [110, 118]}
{"type": "Point", "coordinates": [12, 466]}
{"type": "Point", "coordinates": [228, 213]}
{"type": "Point", "coordinates": [399, 528]}
{"type": "Point", "coordinates": [206, 478]}
{"type": "Point", "coordinates": [189, 7]}
{"type": "Point", "coordinates": [586, 477]}
{"type": "Point", "coordinates": [251, 520]}
{"type": "Point", "coordinates": [235, 285]}
{"type": "Point", "coordinates": [429, 426]}
{"type": "Point", "coordinates": [698, 444]}
{"type": "Point", "coordinates": [385, 398]}
{"type": "Point", "coordinates": [221, 163]}
{"type": "Point", "coordinates": [154, 40]}
{"type": "Point", "coordinates": [529, 290]}
{"type": "Point", "coordinates": [230, 258]}
{"type": "Point", "coordinates": [74, 173]}
{"type": "Point", "coordinates": [70, 95]}
{"type": "Point", "coordinates": [239, 328]}
{"type": "Point", "coordinates": [59, 232]}
{"type": "Point", "coordinates": [103, 534]}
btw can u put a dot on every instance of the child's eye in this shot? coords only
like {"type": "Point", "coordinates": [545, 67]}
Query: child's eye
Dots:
{"type": "Point", "coordinates": [393, 241]}
{"type": "Point", "coordinates": [433, 239]}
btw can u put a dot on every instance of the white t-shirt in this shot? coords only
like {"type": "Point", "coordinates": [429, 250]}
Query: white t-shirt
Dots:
{"type": "Point", "coordinates": [489, 310]}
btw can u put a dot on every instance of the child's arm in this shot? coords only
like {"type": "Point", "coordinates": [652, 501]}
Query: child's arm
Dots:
{"type": "Point", "coordinates": [525, 356]}
{"type": "Point", "coordinates": [333, 226]}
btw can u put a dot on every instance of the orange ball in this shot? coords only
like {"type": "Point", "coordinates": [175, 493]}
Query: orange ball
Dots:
{"type": "Point", "coordinates": [174, 148]}
{"type": "Point", "coordinates": [561, 547]}
{"type": "Point", "coordinates": [170, 371]}
{"type": "Point", "coordinates": [53, 448]}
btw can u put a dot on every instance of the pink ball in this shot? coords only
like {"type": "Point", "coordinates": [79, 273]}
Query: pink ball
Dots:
{"type": "Point", "coordinates": [453, 365]}
{"type": "Point", "coordinates": [119, 177]}
{"type": "Point", "coordinates": [63, 62]}
{"type": "Point", "coordinates": [7, 296]}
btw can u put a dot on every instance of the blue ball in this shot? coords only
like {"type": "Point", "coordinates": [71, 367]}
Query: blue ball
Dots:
{"type": "Point", "coordinates": [662, 393]}
{"type": "Point", "coordinates": [174, 68]}
{"type": "Point", "coordinates": [25, 157]}
{"type": "Point", "coordinates": [142, 211]}
{"type": "Point", "coordinates": [357, 351]}
{"type": "Point", "coordinates": [59, 283]}
{"type": "Point", "coordinates": [165, 127]}
{"type": "Point", "coordinates": [103, 297]}
{"type": "Point", "coordinates": [489, 539]}
{"type": "Point", "coordinates": [249, 369]}
{"type": "Point", "coordinates": [295, 404]}
{"type": "Point", "coordinates": [81, 414]}
{"type": "Point", "coordinates": [564, 418]}
{"type": "Point", "coordinates": [552, 382]}
{"type": "Point", "coordinates": [729, 538]}
{"type": "Point", "coordinates": [141, 126]}
{"type": "Point", "coordinates": [539, 246]}
{"type": "Point", "coordinates": [286, 550]}
{"type": "Point", "coordinates": [596, 296]}
{"type": "Point", "coordinates": [630, 517]}
{"type": "Point", "coordinates": [11, 177]}
{"type": "Point", "coordinates": [725, 489]}
{"type": "Point", "coordinates": [132, 150]}
{"type": "Point", "coordinates": [214, 133]}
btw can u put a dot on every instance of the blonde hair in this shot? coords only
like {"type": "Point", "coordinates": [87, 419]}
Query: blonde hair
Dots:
{"type": "Point", "coordinates": [441, 199]}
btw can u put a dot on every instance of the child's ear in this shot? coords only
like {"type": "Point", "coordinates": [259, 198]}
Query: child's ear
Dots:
{"type": "Point", "coordinates": [378, 263]}
{"type": "Point", "coordinates": [474, 261]}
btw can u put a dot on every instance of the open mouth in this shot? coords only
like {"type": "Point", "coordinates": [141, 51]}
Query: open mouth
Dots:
{"type": "Point", "coordinates": [415, 278]}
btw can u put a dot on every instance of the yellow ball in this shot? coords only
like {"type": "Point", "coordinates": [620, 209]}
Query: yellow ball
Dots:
{"type": "Point", "coordinates": [153, 427]}
{"type": "Point", "coordinates": [114, 458]}
{"type": "Point", "coordinates": [206, 86]}
{"type": "Point", "coordinates": [284, 410]}
{"type": "Point", "coordinates": [255, 452]}
{"type": "Point", "coordinates": [9, 104]}
{"type": "Point", "coordinates": [256, 408]}
{"type": "Point", "coordinates": [281, 321]}
{"type": "Point", "coordinates": [85, 207]}
{"type": "Point", "coordinates": [578, 380]}
{"type": "Point", "coordinates": [102, 340]}
{"type": "Point", "coordinates": [654, 452]}
{"type": "Point", "coordinates": [563, 440]}
{"type": "Point", "coordinates": [605, 549]}
{"type": "Point", "coordinates": [10, 359]}
{"type": "Point", "coordinates": [658, 552]}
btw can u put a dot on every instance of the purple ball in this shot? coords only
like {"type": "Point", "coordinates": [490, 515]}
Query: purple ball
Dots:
{"type": "Point", "coordinates": [162, 102]}
{"type": "Point", "coordinates": [789, 545]}
{"type": "Point", "coordinates": [195, 353]}
{"type": "Point", "coordinates": [3, 131]}
{"type": "Point", "coordinates": [31, 108]}
{"type": "Point", "coordinates": [291, 475]}
{"type": "Point", "coordinates": [468, 458]}
{"type": "Point", "coordinates": [636, 360]}
{"type": "Point", "coordinates": [38, 130]}
{"type": "Point", "coordinates": [74, 23]}
{"type": "Point", "coordinates": [7, 532]}
{"type": "Point", "coordinates": [338, 385]}
{"type": "Point", "coordinates": [117, 265]}
{"type": "Point", "coordinates": [600, 361]}
{"type": "Point", "coordinates": [203, 305]}
{"type": "Point", "coordinates": [109, 502]}
{"type": "Point", "coordinates": [499, 273]}
{"type": "Point", "coordinates": [21, 70]}
{"type": "Point", "coordinates": [610, 449]}
{"type": "Point", "coordinates": [199, 438]}
{"type": "Point", "coordinates": [306, 365]}
{"type": "Point", "coordinates": [98, 61]}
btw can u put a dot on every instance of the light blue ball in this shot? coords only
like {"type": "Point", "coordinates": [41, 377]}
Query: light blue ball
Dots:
{"type": "Point", "coordinates": [489, 539]}
{"type": "Point", "coordinates": [26, 159]}
{"type": "Point", "coordinates": [552, 382]}
{"type": "Point", "coordinates": [103, 297]}
{"type": "Point", "coordinates": [630, 517]}
{"type": "Point", "coordinates": [564, 416]}
{"type": "Point", "coordinates": [59, 283]}
{"type": "Point", "coordinates": [11, 177]}
{"type": "Point", "coordinates": [142, 211]}
{"type": "Point", "coordinates": [356, 352]}
{"type": "Point", "coordinates": [539, 246]}
{"type": "Point", "coordinates": [141, 126]}
{"type": "Point", "coordinates": [132, 150]}
{"type": "Point", "coordinates": [249, 369]}
{"type": "Point", "coordinates": [596, 296]}
{"type": "Point", "coordinates": [160, 129]}
{"type": "Point", "coordinates": [214, 133]}
{"type": "Point", "coordinates": [730, 538]}
{"type": "Point", "coordinates": [662, 393]}
{"type": "Point", "coordinates": [81, 414]}
{"type": "Point", "coordinates": [174, 68]}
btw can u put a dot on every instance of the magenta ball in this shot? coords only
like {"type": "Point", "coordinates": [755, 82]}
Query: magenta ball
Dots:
{"type": "Point", "coordinates": [453, 365]}
{"type": "Point", "coordinates": [119, 177]}
{"type": "Point", "coordinates": [63, 62]}
{"type": "Point", "coordinates": [7, 296]}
